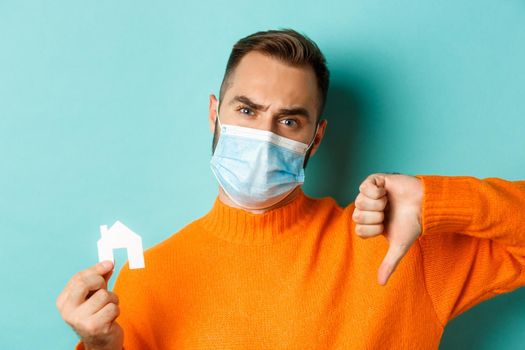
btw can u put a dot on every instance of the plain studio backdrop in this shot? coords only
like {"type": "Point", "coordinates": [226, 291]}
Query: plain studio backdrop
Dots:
{"type": "Point", "coordinates": [103, 117]}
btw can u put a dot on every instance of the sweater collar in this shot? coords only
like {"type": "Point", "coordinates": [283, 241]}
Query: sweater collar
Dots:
{"type": "Point", "coordinates": [240, 226]}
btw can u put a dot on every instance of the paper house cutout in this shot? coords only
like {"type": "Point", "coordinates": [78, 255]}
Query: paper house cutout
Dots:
{"type": "Point", "coordinates": [120, 236]}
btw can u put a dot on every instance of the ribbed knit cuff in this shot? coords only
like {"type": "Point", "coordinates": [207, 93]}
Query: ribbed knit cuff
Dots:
{"type": "Point", "coordinates": [448, 203]}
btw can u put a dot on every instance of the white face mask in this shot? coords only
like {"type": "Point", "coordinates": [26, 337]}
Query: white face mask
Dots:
{"type": "Point", "coordinates": [257, 168]}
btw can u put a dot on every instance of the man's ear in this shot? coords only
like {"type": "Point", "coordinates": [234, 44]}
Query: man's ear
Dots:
{"type": "Point", "coordinates": [212, 112]}
{"type": "Point", "coordinates": [319, 136]}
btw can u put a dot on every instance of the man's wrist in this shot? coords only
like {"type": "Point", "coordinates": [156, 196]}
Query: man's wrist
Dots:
{"type": "Point", "coordinates": [447, 203]}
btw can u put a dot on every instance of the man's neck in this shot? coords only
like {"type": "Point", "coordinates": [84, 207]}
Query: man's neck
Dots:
{"type": "Point", "coordinates": [223, 197]}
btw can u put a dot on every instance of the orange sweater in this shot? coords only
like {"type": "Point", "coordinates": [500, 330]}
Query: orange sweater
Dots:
{"type": "Point", "coordinates": [297, 277]}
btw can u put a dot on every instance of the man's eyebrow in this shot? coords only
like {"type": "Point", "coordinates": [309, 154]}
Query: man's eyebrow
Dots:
{"type": "Point", "coordinates": [244, 99]}
{"type": "Point", "coordinates": [285, 111]}
{"type": "Point", "coordinates": [295, 111]}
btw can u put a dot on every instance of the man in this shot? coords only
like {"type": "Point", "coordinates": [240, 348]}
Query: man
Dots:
{"type": "Point", "coordinates": [269, 267]}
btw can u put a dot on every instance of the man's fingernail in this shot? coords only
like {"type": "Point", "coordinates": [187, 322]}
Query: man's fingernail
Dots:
{"type": "Point", "coordinates": [107, 264]}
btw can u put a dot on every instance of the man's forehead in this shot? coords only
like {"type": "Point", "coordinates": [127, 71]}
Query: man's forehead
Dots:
{"type": "Point", "coordinates": [255, 65]}
{"type": "Point", "coordinates": [265, 81]}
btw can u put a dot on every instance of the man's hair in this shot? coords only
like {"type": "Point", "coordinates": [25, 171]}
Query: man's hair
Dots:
{"type": "Point", "coordinates": [288, 46]}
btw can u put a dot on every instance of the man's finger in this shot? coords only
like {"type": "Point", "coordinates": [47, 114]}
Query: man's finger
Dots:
{"type": "Point", "coordinates": [373, 186]}
{"type": "Point", "coordinates": [104, 268]}
{"type": "Point", "coordinates": [366, 217]}
{"type": "Point", "coordinates": [88, 280]}
{"type": "Point", "coordinates": [108, 274]}
{"type": "Point", "coordinates": [107, 314]}
{"type": "Point", "coordinates": [97, 301]}
{"type": "Point", "coordinates": [367, 231]}
{"type": "Point", "coordinates": [392, 258]}
{"type": "Point", "coordinates": [362, 202]}
{"type": "Point", "coordinates": [84, 286]}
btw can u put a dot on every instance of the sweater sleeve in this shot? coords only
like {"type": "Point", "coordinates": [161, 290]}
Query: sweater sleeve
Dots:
{"type": "Point", "coordinates": [472, 241]}
{"type": "Point", "coordinates": [132, 303]}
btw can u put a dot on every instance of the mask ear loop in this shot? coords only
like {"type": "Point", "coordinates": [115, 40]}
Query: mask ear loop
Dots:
{"type": "Point", "coordinates": [217, 111]}
{"type": "Point", "coordinates": [313, 139]}
{"type": "Point", "coordinates": [311, 142]}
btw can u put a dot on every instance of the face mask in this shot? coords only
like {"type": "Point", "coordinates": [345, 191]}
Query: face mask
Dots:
{"type": "Point", "coordinates": [257, 168]}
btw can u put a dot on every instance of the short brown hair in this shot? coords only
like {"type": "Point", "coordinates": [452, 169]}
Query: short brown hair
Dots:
{"type": "Point", "coordinates": [286, 45]}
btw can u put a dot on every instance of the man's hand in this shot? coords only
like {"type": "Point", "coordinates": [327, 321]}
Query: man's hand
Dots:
{"type": "Point", "coordinates": [390, 205]}
{"type": "Point", "coordinates": [90, 309]}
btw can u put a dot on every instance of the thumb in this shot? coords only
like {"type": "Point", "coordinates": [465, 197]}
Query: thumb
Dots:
{"type": "Point", "coordinates": [392, 258]}
{"type": "Point", "coordinates": [108, 274]}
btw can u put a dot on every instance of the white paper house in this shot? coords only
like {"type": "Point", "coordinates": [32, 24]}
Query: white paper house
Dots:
{"type": "Point", "coordinates": [120, 236]}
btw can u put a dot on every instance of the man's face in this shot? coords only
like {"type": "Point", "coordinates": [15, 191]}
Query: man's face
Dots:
{"type": "Point", "coordinates": [267, 94]}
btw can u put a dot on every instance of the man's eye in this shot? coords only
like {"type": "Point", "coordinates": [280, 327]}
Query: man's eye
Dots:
{"type": "Point", "coordinates": [245, 110]}
{"type": "Point", "coordinates": [289, 122]}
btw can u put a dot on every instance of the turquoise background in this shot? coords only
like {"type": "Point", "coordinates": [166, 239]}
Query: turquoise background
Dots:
{"type": "Point", "coordinates": [103, 116]}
